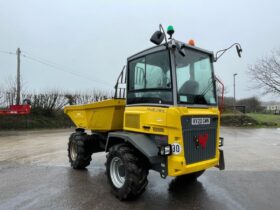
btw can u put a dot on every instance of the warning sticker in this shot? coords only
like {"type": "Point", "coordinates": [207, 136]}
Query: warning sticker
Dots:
{"type": "Point", "coordinates": [176, 148]}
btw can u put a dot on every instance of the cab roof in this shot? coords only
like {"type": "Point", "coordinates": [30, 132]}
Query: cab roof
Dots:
{"type": "Point", "coordinates": [163, 47]}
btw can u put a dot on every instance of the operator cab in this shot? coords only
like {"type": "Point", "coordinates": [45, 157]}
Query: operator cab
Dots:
{"type": "Point", "coordinates": [163, 76]}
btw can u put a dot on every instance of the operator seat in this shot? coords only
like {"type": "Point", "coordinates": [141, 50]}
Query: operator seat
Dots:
{"type": "Point", "coordinates": [190, 87]}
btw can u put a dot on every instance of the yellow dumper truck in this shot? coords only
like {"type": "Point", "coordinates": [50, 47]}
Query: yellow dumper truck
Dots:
{"type": "Point", "coordinates": [164, 117]}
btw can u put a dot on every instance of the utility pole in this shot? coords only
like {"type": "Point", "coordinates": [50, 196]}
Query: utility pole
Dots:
{"type": "Point", "coordinates": [234, 75]}
{"type": "Point", "coordinates": [18, 77]}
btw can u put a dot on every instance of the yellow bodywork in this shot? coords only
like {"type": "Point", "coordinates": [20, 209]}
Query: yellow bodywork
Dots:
{"type": "Point", "coordinates": [111, 115]}
{"type": "Point", "coordinates": [167, 121]}
{"type": "Point", "coordinates": [100, 116]}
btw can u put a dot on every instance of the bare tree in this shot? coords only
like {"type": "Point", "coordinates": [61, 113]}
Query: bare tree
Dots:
{"type": "Point", "coordinates": [2, 97]}
{"type": "Point", "coordinates": [9, 91]}
{"type": "Point", "coordinates": [219, 90]}
{"type": "Point", "coordinates": [252, 104]}
{"type": "Point", "coordinates": [88, 96]}
{"type": "Point", "coordinates": [266, 73]}
{"type": "Point", "coordinates": [48, 102]}
{"type": "Point", "coordinates": [228, 101]}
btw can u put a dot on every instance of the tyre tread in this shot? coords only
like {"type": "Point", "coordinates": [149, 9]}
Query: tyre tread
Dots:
{"type": "Point", "coordinates": [137, 172]}
{"type": "Point", "coordinates": [83, 154]}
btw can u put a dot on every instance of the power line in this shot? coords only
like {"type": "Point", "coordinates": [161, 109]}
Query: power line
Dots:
{"type": "Point", "coordinates": [59, 67]}
{"type": "Point", "coordinates": [6, 52]}
{"type": "Point", "coordinates": [44, 60]}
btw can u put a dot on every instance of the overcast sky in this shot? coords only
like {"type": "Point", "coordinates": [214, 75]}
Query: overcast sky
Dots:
{"type": "Point", "coordinates": [94, 38]}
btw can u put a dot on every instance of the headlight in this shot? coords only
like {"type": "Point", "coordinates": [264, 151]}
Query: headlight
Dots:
{"type": "Point", "coordinates": [165, 150]}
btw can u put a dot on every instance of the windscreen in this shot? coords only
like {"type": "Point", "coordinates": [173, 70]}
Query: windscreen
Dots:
{"type": "Point", "coordinates": [195, 82]}
{"type": "Point", "coordinates": [149, 79]}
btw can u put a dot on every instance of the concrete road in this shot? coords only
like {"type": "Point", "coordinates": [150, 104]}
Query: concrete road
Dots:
{"type": "Point", "coordinates": [35, 174]}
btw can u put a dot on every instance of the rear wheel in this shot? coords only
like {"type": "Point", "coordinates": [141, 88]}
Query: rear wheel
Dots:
{"type": "Point", "coordinates": [79, 153]}
{"type": "Point", "coordinates": [125, 171]}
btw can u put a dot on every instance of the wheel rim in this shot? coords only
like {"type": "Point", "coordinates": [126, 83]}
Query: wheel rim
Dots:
{"type": "Point", "coordinates": [73, 151]}
{"type": "Point", "coordinates": [117, 172]}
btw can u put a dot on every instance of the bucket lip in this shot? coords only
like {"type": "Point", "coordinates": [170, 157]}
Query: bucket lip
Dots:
{"type": "Point", "coordinates": [99, 104]}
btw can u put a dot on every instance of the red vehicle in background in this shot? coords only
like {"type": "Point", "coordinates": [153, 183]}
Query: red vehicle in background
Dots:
{"type": "Point", "coordinates": [18, 109]}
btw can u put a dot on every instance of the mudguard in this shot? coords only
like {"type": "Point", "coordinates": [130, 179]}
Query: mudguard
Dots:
{"type": "Point", "coordinates": [141, 142]}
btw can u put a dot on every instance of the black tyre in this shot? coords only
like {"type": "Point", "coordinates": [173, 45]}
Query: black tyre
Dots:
{"type": "Point", "coordinates": [79, 153]}
{"type": "Point", "coordinates": [198, 174]}
{"type": "Point", "coordinates": [126, 172]}
{"type": "Point", "coordinates": [192, 176]}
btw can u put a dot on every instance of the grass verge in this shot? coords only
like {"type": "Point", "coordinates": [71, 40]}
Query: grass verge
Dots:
{"type": "Point", "coordinates": [269, 119]}
{"type": "Point", "coordinates": [250, 120]}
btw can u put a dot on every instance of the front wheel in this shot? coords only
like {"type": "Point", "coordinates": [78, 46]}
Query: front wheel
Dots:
{"type": "Point", "coordinates": [126, 173]}
{"type": "Point", "coordinates": [192, 176]}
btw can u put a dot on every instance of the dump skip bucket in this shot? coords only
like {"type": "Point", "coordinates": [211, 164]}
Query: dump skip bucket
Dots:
{"type": "Point", "coordinates": [100, 116]}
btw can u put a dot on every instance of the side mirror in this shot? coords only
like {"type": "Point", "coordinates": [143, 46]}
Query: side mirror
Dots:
{"type": "Point", "coordinates": [157, 37]}
{"type": "Point", "coordinates": [221, 52]}
{"type": "Point", "coordinates": [239, 50]}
